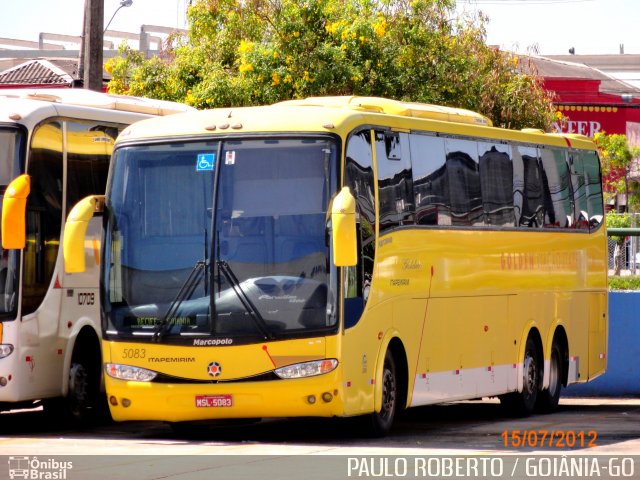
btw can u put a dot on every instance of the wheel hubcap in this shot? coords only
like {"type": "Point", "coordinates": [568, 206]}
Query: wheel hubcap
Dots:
{"type": "Point", "coordinates": [554, 374]}
{"type": "Point", "coordinates": [530, 374]}
{"type": "Point", "coordinates": [388, 394]}
{"type": "Point", "coordinates": [78, 387]}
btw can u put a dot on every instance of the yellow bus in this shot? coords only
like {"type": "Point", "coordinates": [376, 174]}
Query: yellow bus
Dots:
{"type": "Point", "coordinates": [55, 148]}
{"type": "Point", "coordinates": [345, 256]}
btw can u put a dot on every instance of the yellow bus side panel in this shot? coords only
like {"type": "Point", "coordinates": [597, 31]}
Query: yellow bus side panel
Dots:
{"type": "Point", "coordinates": [597, 335]}
{"type": "Point", "coordinates": [361, 348]}
{"type": "Point", "coordinates": [464, 302]}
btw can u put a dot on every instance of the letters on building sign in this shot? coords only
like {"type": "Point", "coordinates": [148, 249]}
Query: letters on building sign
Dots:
{"type": "Point", "coordinates": [584, 127]}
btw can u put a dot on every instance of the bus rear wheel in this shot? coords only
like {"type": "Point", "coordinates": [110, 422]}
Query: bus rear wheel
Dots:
{"type": "Point", "coordinates": [549, 398]}
{"type": "Point", "coordinates": [380, 422]}
{"type": "Point", "coordinates": [523, 403]}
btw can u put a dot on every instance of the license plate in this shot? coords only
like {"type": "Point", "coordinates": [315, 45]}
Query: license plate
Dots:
{"type": "Point", "coordinates": [214, 401]}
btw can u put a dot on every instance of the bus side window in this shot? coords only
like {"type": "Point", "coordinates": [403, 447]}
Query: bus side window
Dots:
{"type": "Point", "coordinates": [578, 184]}
{"type": "Point", "coordinates": [44, 214]}
{"type": "Point", "coordinates": [496, 181]}
{"type": "Point", "coordinates": [595, 207]}
{"type": "Point", "coordinates": [395, 183]}
{"type": "Point", "coordinates": [430, 181]}
{"type": "Point", "coordinates": [528, 190]}
{"type": "Point", "coordinates": [359, 178]}
{"type": "Point", "coordinates": [463, 173]}
{"type": "Point", "coordinates": [559, 208]}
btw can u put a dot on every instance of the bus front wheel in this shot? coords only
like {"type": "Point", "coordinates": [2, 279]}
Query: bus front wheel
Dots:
{"type": "Point", "coordinates": [381, 422]}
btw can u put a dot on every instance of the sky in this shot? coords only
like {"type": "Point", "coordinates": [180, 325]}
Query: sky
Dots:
{"type": "Point", "coordinates": [25, 19]}
{"type": "Point", "coordinates": [590, 27]}
{"type": "Point", "coordinates": [554, 26]}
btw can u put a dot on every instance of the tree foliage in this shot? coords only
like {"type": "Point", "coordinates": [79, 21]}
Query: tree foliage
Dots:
{"type": "Point", "coordinates": [263, 51]}
{"type": "Point", "coordinates": [616, 157]}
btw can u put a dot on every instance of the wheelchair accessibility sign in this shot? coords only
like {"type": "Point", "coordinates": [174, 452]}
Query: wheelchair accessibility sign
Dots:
{"type": "Point", "coordinates": [205, 162]}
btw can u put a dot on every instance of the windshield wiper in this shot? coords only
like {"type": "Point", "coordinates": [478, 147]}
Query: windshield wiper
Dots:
{"type": "Point", "coordinates": [186, 290]}
{"type": "Point", "coordinates": [244, 299]}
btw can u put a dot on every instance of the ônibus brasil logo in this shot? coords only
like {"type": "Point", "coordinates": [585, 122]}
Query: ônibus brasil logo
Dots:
{"type": "Point", "coordinates": [34, 468]}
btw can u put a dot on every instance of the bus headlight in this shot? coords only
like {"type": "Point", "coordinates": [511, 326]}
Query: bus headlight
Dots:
{"type": "Point", "coordinates": [5, 350]}
{"type": "Point", "coordinates": [307, 369]}
{"type": "Point", "coordinates": [128, 372]}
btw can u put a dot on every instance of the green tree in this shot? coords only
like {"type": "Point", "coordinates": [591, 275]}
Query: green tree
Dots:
{"type": "Point", "coordinates": [264, 51]}
{"type": "Point", "coordinates": [616, 157]}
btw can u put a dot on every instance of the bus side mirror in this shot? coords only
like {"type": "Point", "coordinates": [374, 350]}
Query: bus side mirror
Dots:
{"type": "Point", "coordinates": [75, 231]}
{"type": "Point", "coordinates": [343, 222]}
{"type": "Point", "coordinates": [14, 210]}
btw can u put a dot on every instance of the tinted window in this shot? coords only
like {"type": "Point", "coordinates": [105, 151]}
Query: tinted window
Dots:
{"type": "Point", "coordinates": [359, 177]}
{"type": "Point", "coordinates": [464, 182]}
{"type": "Point", "coordinates": [528, 192]}
{"type": "Point", "coordinates": [496, 180]}
{"type": "Point", "coordinates": [593, 187]}
{"type": "Point", "coordinates": [430, 183]}
{"type": "Point", "coordinates": [395, 185]}
{"type": "Point", "coordinates": [557, 182]}
{"type": "Point", "coordinates": [579, 188]}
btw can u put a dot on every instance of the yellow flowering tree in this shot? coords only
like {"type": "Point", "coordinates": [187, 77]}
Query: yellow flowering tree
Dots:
{"type": "Point", "coordinates": [262, 51]}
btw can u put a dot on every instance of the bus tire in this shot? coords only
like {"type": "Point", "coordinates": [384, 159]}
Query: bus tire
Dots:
{"type": "Point", "coordinates": [380, 422]}
{"type": "Point", "coordinates": [84, 402]}
{"type": "Point", "coordinates": [523, 403]}
{"type": "Point", "coordinates": [549, 398]}
{"type": "Point", "coordinates": [82, 395]}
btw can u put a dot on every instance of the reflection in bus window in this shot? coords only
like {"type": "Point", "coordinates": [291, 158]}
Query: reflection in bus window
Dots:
{"type": "Point", "coordinates": [527, 187]}
{"type": "Point", "coordinates": [430, 184]}
{"type": "Point", "coordinates": [578, 184]}
{"type": "Point", "coordinates": [496, 179]}
{"type": "Point", "coordinates": [464, 182]}
{"type": "Point", "coordinates": [595, 207]}
{"type": "Point", "coordinates": [559, 211]}
{"type": "Point", "coordinates": [359, 178]}
{"type": "Point", "coordinates": [395, 185]}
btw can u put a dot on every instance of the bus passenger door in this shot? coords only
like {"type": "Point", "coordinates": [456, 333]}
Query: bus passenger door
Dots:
{"type": "Point", "coordinates": [41, 290]}
{"type": "Point", "coordinates": [359, 353]}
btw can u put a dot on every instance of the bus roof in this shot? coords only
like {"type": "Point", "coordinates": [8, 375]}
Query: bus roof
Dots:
{"type": "Point", "coordinates": [17, 104]}
{"type": "Point", "coordinates": [340, 114]}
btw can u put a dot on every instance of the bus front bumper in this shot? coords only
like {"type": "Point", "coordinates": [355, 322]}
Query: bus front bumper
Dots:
{"type": "Point", "coordinates": [318, 396]}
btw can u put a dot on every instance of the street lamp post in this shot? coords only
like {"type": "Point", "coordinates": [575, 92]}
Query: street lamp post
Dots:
{"type": "Point", "coordinates": [123, 3]}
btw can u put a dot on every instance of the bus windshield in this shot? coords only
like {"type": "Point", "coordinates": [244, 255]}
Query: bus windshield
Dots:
{"type": "Point", "coordinates": [245, 261]}
{"type": "Point", "coordinates": [12, 144]}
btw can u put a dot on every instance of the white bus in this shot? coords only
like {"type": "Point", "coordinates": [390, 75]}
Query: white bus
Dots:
{"type": "Point", "coordinates": [55, 148]}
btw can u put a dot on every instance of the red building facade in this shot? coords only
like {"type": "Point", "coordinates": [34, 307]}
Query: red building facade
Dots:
{"type": "Point", "coordinates": [592, 101]}
{"type": "Point", "coordinates": [589, 110]}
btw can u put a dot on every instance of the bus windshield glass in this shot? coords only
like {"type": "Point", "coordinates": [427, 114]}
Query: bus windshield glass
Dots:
{"type": "Point", "coordinates": [243, 262]}
{"type": "Point", "coordinates": [12, 145]}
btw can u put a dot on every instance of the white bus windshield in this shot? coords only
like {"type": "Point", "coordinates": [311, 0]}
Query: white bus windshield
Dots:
{"type": "Point", "coordinates": [12, 144]}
